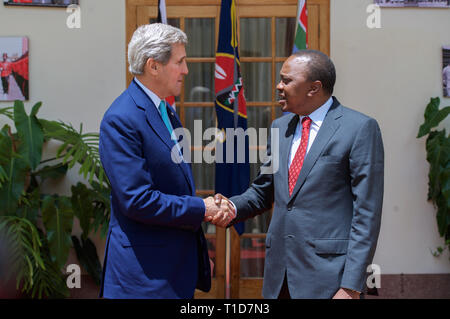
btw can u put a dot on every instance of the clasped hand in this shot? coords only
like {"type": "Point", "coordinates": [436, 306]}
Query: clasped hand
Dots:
{"type": "Point", "coordinates": [219, 210]}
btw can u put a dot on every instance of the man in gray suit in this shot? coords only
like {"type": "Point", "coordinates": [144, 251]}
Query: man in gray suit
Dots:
{"type": "Point", "coordinates": [327, 193]}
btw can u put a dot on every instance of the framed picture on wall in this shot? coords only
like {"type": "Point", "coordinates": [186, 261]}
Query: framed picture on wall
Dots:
{"type": "Point", "coordinates": [414, 3]}
{"type": "Point", "coordinates": [40, 3]}
{"type": "Point", "coordinates": [14, 68]}
{"type": "Point", "coordinates": [446, 69]}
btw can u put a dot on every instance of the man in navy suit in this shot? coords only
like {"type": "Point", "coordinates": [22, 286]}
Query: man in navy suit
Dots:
{"type": "Point", "coordinates": [327, 193]}
{"type": "Point", "coordinates": [155, 246]}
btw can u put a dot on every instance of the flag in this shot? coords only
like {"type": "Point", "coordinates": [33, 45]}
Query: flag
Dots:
{"type": "Point", "coordinates": [231, 178]}
{"type": "Point", "coordinates": [301, 32]}
{"type": "Point", "coordinates": [162, 18]}
{"type": "Point", "coordinates": [162, 15]}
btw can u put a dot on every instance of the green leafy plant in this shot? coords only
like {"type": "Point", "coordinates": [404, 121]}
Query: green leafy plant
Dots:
{"type": "Point", "coordinates": [438, 155]}
{"type": "Point", "coordinates": [39, 225]}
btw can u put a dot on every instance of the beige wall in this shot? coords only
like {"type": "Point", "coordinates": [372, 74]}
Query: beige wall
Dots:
{"type": "Point", "coordinates": [76, 73]}
{"type": "Point", "coordinates": [388, 73]}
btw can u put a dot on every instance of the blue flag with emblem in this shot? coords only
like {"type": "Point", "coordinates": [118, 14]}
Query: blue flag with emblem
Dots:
{"type": "Point", "coordinates": [232, 170]}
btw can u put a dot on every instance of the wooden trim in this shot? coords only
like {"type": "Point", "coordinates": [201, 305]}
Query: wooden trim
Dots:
{"type": "Point", "coordinates": [249, 103]}
{"type": "Point", "coordinates": [248, 11]}
{"type": "Point", "coordinates": [184, 11]}
{"type": "Point", "coordinates": [261, 3]}
{"type": "Point", "coordinates": [210, 236]}
{"type": "Point", "coordinates": [213, 2]}
{"type": "Point", "coordinates": [130, 25]}
{"type": "Point", "coordinates": [220, 262]}
{"type": "Point", "coordinates": [187, 11]}
{"type": "Point", "coordinates": [207, 295]}
{"type": "Point", "coordinates": [273, 65]}
{"type": "Point", "coordinates": [254, 235]}
{"type": "Point", "coordinates": [235, 263]}
{"type": "Point", "coordinates": [313, 30]}
{"type": "Point", "coordinates": [182, 112]}
{"type": "Point", "coordinates": [324, 28]}
{"type": "Point", "coordinates": [256, 59]}
{"type": "Point", "coordinates": [139, 11]}
{"type": "Point", "coordinates": [200, 60]}
{"type": "Point", "coordinates": [263, 59]}
{"type": "Point", "coordinates": [217, 28]}
{"type": "Point", "coordinates": [198, 104]}
{"type": "Point", "coordinates": [145, 13]}
{"type": "Point", "coordinates": [251, 288]}
{"type": "Point", "coordinates": [205, 192]}
{"type": "Point", "coordinates": [259, 103]}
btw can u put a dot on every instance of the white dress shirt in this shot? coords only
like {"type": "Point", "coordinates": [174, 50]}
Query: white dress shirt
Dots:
{"type": "Point", "coordinates": [155, 98]}
{"type": "Point", "coordinates": [317, 118]}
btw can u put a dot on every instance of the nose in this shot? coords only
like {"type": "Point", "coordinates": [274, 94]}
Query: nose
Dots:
{"type": "Point", "coordinates": [280, 86]}
{"type": "Point", "coordinates": [185, 70]}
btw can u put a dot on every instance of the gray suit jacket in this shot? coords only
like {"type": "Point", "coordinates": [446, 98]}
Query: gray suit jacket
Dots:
{"type": "Point", "coordinates": [324, 235]}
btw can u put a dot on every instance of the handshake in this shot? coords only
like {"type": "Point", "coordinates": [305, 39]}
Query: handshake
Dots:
{"type": "Point", "coordinates": [219, 210]}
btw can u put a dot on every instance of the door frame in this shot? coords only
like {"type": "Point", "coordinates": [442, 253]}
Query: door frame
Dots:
{"type": "Point", "coordinates": [319, 38]}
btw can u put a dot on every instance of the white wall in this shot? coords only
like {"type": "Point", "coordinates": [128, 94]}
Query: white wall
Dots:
{"type": "Point", "coordinates": [76, 73]}
{"type": "Point", "coordinates": [388, 73]}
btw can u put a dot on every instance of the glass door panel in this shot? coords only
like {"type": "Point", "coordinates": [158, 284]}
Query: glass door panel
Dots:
{"type": "Point", "coordinates": [252, 31]}
{"type": "Point", "coordinates": [201, 37]}
{"type": "Point", "coordinates": [257, 81]}
{"type": "Point", "coordinates": [199, 83]}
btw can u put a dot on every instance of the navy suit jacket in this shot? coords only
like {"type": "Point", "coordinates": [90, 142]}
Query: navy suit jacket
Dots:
{"type": "Point", "coordinates": [324, 235]}
{"type": "Point", "coordinates": [155, 246]}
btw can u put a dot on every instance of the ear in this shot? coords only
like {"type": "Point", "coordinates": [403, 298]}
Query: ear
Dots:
{"type": "Point", "coordinates": [315, 88]}
{"type": "Point", "coordinates": [152, 66]}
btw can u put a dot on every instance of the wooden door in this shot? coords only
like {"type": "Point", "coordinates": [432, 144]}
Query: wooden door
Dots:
{"type": "Point", "coordinates": [265, 32]}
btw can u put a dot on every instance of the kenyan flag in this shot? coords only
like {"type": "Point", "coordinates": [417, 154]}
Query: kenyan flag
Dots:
{"type": "Point", "coordinates": [301, 34]}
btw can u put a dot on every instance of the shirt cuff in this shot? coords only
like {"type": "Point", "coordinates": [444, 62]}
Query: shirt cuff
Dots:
{"type": "Point", "coordinates": [234, 206]}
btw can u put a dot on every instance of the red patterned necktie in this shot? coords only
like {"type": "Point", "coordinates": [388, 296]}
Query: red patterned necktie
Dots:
{"type": "Point", "coordinates": [297, 162]}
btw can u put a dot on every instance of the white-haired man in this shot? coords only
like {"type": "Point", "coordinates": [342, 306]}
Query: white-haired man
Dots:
{"type": "Point", "coordinates": [155, 246]}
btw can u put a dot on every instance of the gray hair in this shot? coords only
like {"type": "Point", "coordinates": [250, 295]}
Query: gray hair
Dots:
{"type": "Point", "coordinates": [152, 41]}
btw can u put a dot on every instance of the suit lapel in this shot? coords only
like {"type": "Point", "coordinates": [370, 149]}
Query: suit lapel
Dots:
{"type": "Point", "coordinates": [176, 123]}
{"type": "Point", "coordinates": [156, 123]}
{"type": "Point", "coordinates": [151, 113]}
{"type": "Point", "coordinates": [326, 131]}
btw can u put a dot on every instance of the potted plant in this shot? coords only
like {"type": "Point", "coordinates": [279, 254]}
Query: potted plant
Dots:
{"type": "Point", "coordinates": [438, 155]}
{"type": "Point", "coordinates": [38, 225]}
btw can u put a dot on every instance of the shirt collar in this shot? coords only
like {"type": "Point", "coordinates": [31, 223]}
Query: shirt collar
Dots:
{"type": "Point", "coordinates": [155, 98]}
{"type": "Point", "coordinates": [319, 114]}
